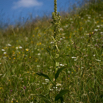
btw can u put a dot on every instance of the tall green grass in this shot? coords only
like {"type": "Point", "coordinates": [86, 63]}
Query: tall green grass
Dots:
{"type": "Point", "coordinates": [24, 52]}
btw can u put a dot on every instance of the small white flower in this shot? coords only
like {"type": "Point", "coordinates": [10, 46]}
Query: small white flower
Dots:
{"type": "Point", "coordinates": [61, 64]}
{"type": "Point", "coordinates": [66, 26]}
{"type": "Point", "coordinates": [101, 33]}
{"type": "Point", "coordinates": [9, 44]}
{"type": "Point", "coordinates": [98, 26]}
{"type": "Point", "coordinates": [51, 89]}
{"type": "Point", "coordinates": [32, 102]}
{"type": "Point", "coordinates": [16, 47]}
{"type": "Point", "coordinates": [61, 29]}
{"type": "Point", "coordinates": [73, 57]}
{"type": "Point", "coordinates": [94, 55]}
{"type": "Point", "coordinates": [44, 83]}
{"type": "Point", "coordinates": [68, 71]}
{"type": "Point", "coordinates": [58, 84]}
{"type": "Point", "coordinates": [55, 87]}
{"type": "Point", "coordinates": [89, 17]}
{"type": "Point", "coordinates": [98, 60]}
{"type": "Point", "coordinates": [4, 52]}
{"type": "Point", "coordinates": [38, 66]}
{"type": "Point", "coordinates": [51, 42]}
{"type": "Point", "coordinates": [61, 38]}
{"type": "Point", "coordinates": [46, 80]}
{"type": "Point", "coordinates": [20, 47]}
{"type": "Point", "coordinates": [2, 49]}
{"type": "Point", "coordinates": [39, 54]}
{"type": "Point", "coordinates": [4, 57]}
{"type": "Point", "coordinates": [95, 29]}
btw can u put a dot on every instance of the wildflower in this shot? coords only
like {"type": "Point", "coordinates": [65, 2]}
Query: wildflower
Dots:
{"type": "Point", "coordinates": [73, 57]}
{"type": "Point", "coordinates": [46, 80]}
{"type": "Point", "coordinates": [61, 38]}
{"type": "Point", "coordinates": [44, 83]}
{"type": "Point", "coordinates": [58, 84]}
{"type": "Point", "coordinates": [32, 102]}
{"type": "Point", "coordinates": [38, 66]}
{"type": "Point", "coordinates": [9, 44]}
{"type": "Point", "coordinates": [98, 60]}
{"type": "Point", "coordinates": [51, 42]}
{"type": "Point", "coordinates": [95, 29]}
{"type": "Point", "coordinates": [61, 29]}
{"type": "Point", "coordinates": [61, 64]}
{"type": "Point", "coordinates": [20, 47]}
{"type": "Point", "coordinates": [39, 54]}
{"type": "Point", "coordinates": [27, 49]}
{"type": "Point", "coordinates": [5, 53]}
{"type": "Point", "coordinates": [16, 47]}
{"type": "Point", "coordinates": [98, 26]}
{"type": "Point", "coordinates": [101, 33]}
{"type": "Point", "coordinates": [89, 17]}
{"type": "Point", "coordinates": [68, 71]}
{"type": "Point", "coordinates": [51, 89]}
{"type": "Point", "coordinates": [2, 49]}
{"type": "Point", "coordinates": [66, 26]}
{"type": "Point", "coordinates": [55, 87]}
{"type": "Point", "coordinates": [24, 87]}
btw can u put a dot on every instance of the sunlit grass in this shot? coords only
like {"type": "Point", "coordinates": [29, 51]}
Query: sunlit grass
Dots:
{"type": "Point", "coordinates": [23, 53]}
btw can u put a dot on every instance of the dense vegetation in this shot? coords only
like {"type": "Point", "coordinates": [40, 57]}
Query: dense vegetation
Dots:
{"type": "Point", "coordinates": [25, 51]}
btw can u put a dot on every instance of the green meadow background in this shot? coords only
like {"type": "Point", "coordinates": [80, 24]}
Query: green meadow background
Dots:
{"type": "Point", "coordinates": [24, 52]}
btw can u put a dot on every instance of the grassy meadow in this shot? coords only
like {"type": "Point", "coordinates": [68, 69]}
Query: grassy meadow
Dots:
{"type": "Point", "coordinates": [26, 50]}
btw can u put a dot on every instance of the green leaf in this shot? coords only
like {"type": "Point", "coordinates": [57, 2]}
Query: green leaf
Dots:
{"type": "Point", "coordinates": [44, 75]}
{"type": "Point", "coordinates": [44, 98]}
{"type": "Point", "coordinates": [61, 93]}
{"type": "Point", "coordinates": [61, 98]}
{"type": "Point", "coordinates": [58, 72]}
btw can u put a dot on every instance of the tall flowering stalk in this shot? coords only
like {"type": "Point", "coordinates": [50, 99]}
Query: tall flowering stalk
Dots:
{"type": "Point", "coordinates": [56, 19]}
{"type": "Point", "coordinates": [55, 57]}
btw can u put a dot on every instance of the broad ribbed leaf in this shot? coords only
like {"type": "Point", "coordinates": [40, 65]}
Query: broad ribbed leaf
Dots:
{"type": "Point", "coordinates": [58, 72]}
{"type": "Point", "coordinates": [61, 93]}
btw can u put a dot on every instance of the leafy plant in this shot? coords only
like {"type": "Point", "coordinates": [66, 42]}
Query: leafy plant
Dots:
{"type": "Point", "coordinates": [55, 56]}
